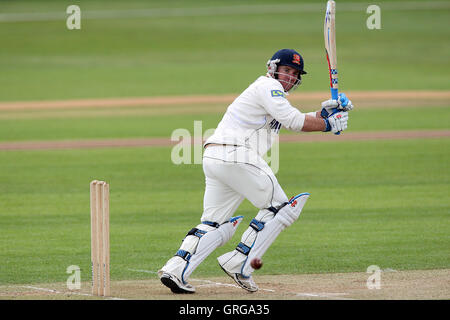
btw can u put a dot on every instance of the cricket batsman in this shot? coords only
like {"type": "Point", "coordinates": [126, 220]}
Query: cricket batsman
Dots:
{"type": "Point", "coordinates": [235, 170]}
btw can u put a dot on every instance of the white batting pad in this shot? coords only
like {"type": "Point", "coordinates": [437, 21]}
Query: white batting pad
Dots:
{"type": "Point", "coordinates": [255, 243]}
{"type": "Point", "coordinates": [196, 249]}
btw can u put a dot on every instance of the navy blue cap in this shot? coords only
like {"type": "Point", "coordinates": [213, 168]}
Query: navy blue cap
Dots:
{"type": "Point", "coordinates": [291, 58]}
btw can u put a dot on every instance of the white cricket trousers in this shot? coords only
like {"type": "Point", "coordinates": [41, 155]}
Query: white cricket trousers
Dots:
{"type": "Point", "coordinates": [233, 173]}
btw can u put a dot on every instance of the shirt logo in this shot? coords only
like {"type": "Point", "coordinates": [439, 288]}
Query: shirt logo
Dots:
{"type": "Point", "coordinates": [275, 126]}
{"type": "Point", "coordinates": [277, 93]}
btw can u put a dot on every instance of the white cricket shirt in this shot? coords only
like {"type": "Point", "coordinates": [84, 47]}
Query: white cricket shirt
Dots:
{"type": "Point", "coordinates": [255, 118]}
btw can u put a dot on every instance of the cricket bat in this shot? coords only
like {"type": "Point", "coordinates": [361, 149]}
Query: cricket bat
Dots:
{"type": "Point", "coordinates": [329, 32]}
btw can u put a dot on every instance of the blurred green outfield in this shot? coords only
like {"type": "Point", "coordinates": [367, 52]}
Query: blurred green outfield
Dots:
{"type": "Point", "coordinates": [373, 202]}
{"type": "Point", "coordinates": [122, 125]}
{"type": "Point", "coordinates": [216, 53]}
{"type": "Point", "coordinates": [379, 203]}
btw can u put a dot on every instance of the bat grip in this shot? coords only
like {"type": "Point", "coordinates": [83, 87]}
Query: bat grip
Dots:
{"type": "Point", "coordinates": [335, 96]}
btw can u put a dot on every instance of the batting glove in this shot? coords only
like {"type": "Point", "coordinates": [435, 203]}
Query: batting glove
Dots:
{"type": "Point", "coordinates": [336, 122]}
{"type": "Point", "coordinates": [331, 106]}
{"type": "Point", "coordinates": [344, 103]}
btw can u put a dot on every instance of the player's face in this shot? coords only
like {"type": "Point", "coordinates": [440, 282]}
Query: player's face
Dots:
{"type": "Point", "coordinates": [287, 76]}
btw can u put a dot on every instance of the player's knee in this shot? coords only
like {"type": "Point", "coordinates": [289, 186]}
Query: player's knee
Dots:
{"type": "Point", "coordinates": [192, 238]}
{"type": "Point", "coordinates": [288, 214]}
{"type": "Point", "coordinates": [263, 200]}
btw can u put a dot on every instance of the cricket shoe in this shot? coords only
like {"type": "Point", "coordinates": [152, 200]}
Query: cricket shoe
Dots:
{"type": "Point", "coordinates": [245, 283]}
{"type": "Point", "coordinates": [175, 284]}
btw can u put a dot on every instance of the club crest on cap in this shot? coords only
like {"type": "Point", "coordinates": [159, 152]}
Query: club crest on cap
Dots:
{"type": "Point", "coordinates": [296, 59]}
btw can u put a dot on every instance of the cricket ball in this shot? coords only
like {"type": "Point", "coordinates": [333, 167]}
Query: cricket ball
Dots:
{"type": "Point", "coordinates": [256, 263]}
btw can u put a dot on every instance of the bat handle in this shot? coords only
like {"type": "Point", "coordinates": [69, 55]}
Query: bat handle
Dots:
{"type": "Point", "coordinates": [335, 96]}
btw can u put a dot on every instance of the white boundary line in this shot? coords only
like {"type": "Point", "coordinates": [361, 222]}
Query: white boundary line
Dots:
{"type": "Point", "coordinates": [207, 283]}
{"type": "Point", "coordinates": [143, 271]}
{"type": "Point", "coordinates": [330, 295]}
{"type": "Point", "coordinates": [221, 11]}
{"type": "Point", "coordinates": [210, 283]}
{"type": "Point", "coordinates": [68, 292]}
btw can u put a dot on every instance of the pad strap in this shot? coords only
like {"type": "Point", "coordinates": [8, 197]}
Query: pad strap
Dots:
{"type": "Point", "coordinates": [242, 248]}
{"type": "Point", "coordinates": [196, 232]}
{"type": "Point", "coordinates": [211, 223]}
{"type": "Point", "coordinates": [278, 208]}
{"type": "Point", "coordinates": [257, 225]}
{"type": "Point", "coordinates": [186, 255]}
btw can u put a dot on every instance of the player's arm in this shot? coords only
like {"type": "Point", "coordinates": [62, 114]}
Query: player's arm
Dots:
{"type": "Point", "coordinates": [334, 123]}
{"type": "Point", "coordinates": [313, 123]}
{"type": "Point", "coordinates": [273, 99]}
{"type": "Point", "coordinates": [276, 104]}
{"type": "Point", "coordinates": [314, 120]}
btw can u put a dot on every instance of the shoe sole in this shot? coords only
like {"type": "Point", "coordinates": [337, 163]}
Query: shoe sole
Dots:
{"type": "Point", "coordinates": [172, 285]}
{"type": "Point", "coordinates": [237, 281]}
